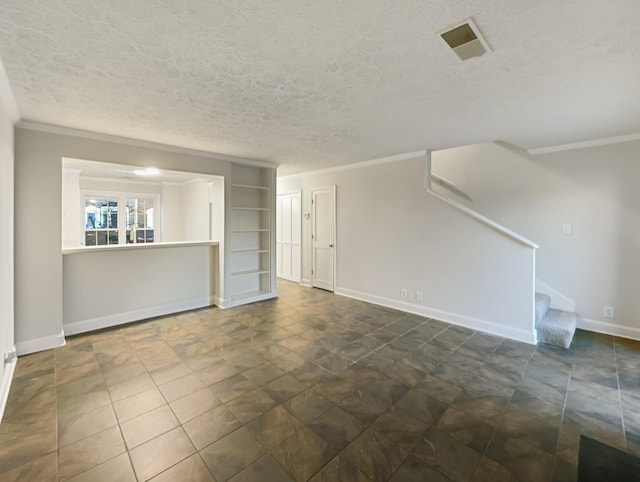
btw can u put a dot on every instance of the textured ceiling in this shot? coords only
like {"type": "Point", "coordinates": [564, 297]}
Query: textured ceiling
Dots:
{"type": "Point", "coordinates": [316, 83]}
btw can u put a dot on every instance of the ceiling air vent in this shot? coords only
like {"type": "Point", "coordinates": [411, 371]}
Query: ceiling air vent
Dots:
{"type": "Point", "coordinates": [466, 40]}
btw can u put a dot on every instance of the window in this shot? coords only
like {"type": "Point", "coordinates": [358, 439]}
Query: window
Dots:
{"type": "Point", "coordinates": [101, 221]}
{"type": "Point", "coordinates": [139, 220]}
{"type": "Point", "coordinates": [119, 219]}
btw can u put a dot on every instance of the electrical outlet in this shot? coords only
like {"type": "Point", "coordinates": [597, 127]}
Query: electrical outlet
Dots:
{"type": "Point", "coordinates": [403, 293]}
{"type": "Point", "coordinates": [608, 312]}
{"type": "Point", "coordinates": [567, 229]}
{"type": "Point", "coordinates": [419, 296]}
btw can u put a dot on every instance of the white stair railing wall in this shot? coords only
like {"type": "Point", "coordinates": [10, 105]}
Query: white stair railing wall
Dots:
{"type": "Point", "coordinates": [524, 278]}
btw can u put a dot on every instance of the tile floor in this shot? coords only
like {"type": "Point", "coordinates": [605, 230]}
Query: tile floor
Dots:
{"type": "Point", "coordinates": [314, 386]}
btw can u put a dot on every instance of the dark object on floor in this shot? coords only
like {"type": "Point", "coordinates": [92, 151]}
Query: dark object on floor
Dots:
{"type": "Point", "coordinates": [598, 462]}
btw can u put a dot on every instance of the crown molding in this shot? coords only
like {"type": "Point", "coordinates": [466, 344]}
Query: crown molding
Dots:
{"type": "Point", "coordinates": [96, 136]}
{"type": "Point", "coordinates": [584, 144]}
{"type": "Point", "coordinates": [356, 165]}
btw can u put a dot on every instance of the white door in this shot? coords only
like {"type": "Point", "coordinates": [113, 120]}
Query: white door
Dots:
{"type": "Point", "coordinates": [288, 235]}
{"type": "Point", "coordinates": [296, 236]}
{"type": "Point", "coordinates": [323, 202]}
{"type": "Point", "coordinates": [279, 236]}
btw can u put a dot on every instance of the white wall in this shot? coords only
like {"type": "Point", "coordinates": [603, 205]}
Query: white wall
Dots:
{"type": "Point", "coordinates": [135, 283]}
{"type": "Point", "coordinates": [38, 258]}
{"type": "Point", "coordinates": [196, 222]}
{"type": "Point", "coordinates": [391, 234]}
{"type": "Point", "coordinates": [217, 210]}
{"type": "Point", "coordinates": [6, 245]}
{"type": "Point", "coordinates": [193, 210]}
{"type": "Point", "coordinates": [72, 216]}
{"type": "Point", "coordinates": [172, 212]}
{"type": "Point", "coordinates": [593, 189]}
{"type": "Point", "coordinates": [109, 185]}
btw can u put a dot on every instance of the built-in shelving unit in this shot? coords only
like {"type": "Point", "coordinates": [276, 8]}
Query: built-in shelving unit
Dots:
{"type": "Point", "coordinates": [251, 219]}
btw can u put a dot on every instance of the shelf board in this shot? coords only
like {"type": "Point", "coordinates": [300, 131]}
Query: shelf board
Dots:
{"type": "Point", "coordinates": [250, 294]}
{"type": "Point", "coordinates": [249, 186]}
{"type": "Point", "coordinates": [249, 251]}
{"type": "Point", "coordinates": [249, 209]}
{"type": "Point", "coordinates": [249, 230]}
{"type": "Point", "coordinates": [250, 272]}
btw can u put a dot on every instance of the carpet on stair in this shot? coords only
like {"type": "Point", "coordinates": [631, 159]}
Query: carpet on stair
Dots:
{"type": "Point", "coordinates": [557, 328]}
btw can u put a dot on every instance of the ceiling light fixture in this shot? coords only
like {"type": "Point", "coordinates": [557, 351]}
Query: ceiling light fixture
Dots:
{"type": "Point", "coordinates": [149, 171]}
{"type": "Point", "coordinates": [466, 40]}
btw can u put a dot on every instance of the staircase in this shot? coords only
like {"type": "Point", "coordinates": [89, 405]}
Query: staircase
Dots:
{"type": "Point", "coordinates": [554, 327]}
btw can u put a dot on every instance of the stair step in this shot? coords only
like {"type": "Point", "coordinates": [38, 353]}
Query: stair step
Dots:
{"type": "Point", "coordinates": [557, 327]}
{"type": "Point", "coordinates": [542, 306]}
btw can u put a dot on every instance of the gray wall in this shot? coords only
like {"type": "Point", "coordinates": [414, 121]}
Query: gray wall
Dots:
{"type": "Point", "coordinates": [107, 287]}
{"type": "Point", "coordinates": [6, 234]}
{"type": "Point", "coordinates": [593, 189]}
{"type": "Point", "coordinates": [392, 234]}
{"type": "Point", "coordinates": [38, 183]}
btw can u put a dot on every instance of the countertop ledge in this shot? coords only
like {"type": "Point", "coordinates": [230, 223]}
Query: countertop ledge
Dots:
{"type": "Point", "coordinates": [122, 247]}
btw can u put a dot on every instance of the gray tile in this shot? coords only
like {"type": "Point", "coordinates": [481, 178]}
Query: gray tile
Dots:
{"type": "Point", "coordinates": [365, 405]}
{"type": "Point", "coordinates": [421, 406]}
{"type": "Point", "coordinates": [231, 454]}
{"type": "Point", "coordinates": [302, 454]}
{"type": "Point", "coordinates": [274, 426]}
{"type": "Point", "coordinates": [414, 468]}
{"type": "Point", "coordinates": [375, 455]}
{"type": "Point", "coordinates": [448, 456]}
{"type": "Point", "coordinates": [283, 388]}
{"type": "Point", "coordinates": [465, 429]}
{"type": "Point", "coordinates": [232, 387]}
{"type": "Point", "coordinates": [265, 468]}
{"type": "Point", "coordinates": [333, 362]}
{"type": "Point", "coordinates": [308, 405]}
{"type": "Point", "coordinates": [524, 460]}
{"type": "Point", "coordinates": [417, 385]}
{"type": "Point", "coordinates": [337, 428]}
{"type": "Point", "coordinates": [210, 426]}
{"type": "Point", "coordinates": [251, 405]}
{"type": "Point", "coordinates": [340, 469]}
{"type": "Point", "coordinates": [401, 428]}
{"type": "Point", "coordinates": [309, 374]}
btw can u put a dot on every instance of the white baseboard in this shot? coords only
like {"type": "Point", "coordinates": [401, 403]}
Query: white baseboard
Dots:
{"type": "Point", "coordinates": [39, 344]}
{"type": "Point", "coordinates": [607, 328]}
{"type": "Point", "coordinates": [305, 282]}
{"type": "Point", "coordinates": [5, 383]}
{"type": "Point", "coordinates": [558, 300]}
{"type": "Point", "coordinates": [93, 324]}
{"type": "Point", "coordinates": [453, 318]}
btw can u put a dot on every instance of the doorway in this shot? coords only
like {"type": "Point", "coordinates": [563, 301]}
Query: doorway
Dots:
{"type": "Point", "coordinates": [323, 234]}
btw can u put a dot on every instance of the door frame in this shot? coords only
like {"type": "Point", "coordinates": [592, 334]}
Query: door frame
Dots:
{"type": "Point", "coordinates": [313, 229]}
